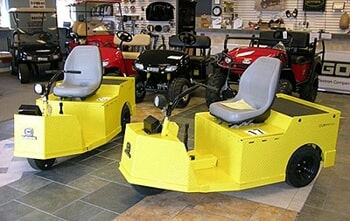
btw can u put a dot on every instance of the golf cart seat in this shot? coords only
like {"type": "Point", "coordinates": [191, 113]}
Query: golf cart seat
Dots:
{"type": "Point", "coordinates": [257, 89]}
{"type": "Point", "coordinates": [86, 60]}
{"type": "Point", "coordinates": [139, 43]}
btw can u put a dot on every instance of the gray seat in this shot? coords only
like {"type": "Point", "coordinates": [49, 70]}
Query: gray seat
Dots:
{"type": "Point", "coordinates": [83, 73]}
{"type": "Point", "coordinates": [257, 90]}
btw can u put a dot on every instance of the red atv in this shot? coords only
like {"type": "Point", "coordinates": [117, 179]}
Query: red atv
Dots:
{"type": "Point", "coordinates": [301, 64]}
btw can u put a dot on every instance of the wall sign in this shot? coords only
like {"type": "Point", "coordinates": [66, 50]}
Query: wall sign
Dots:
{"type": "Point", "coordinates": [314, 5]}
{"type": "Point", "coordinates": [335, 77]}
{"type": "Point", "coordinates": [37, 3]}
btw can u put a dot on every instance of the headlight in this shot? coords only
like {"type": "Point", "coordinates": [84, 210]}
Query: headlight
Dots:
{"type": "Point", "coordinates": [246, 61]}
{"type": "Point", "coordinates": [228, 60]}
{"type": "Point", "coordinates": [171, 68]}
{"type": "Point", "coordinates": [105, 63]}
{"type": "Point", "coordinates": [39, 89]}
{"type": "Point", "coordinates": [160, 101]}
{"type": "Point", "coordinates": [139, 66]}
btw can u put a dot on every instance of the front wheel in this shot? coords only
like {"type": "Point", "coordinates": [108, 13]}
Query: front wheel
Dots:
{"type": "Point", "coordinates": [23, 73]}
{"type": "Point", "coordinates": [41, 164]}
{"type": "Point", "coordinates": [140, 89]}
{"type": "Point", "coordinates": [177, 86]}
{"type": "Point", "coordinates": [285, 87]}
{"type": "Point", "coordinates": [308, 91]}
{"type": "Point", "coordinates": [145, 190]}
{"type": "Point", "coordinates": [303, 166]}
{"type": "Point", "coordinates": [215, 80]}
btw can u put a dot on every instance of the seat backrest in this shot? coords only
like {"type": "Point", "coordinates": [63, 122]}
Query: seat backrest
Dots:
{"type": "Point", "coordinates": [138, 40]}
{"type": "Point", "coordinates": [87, 60]}
{"type": "Point", "coordinates": [259, 82]}
{"type": "Point", "coordinates": [257, 89]}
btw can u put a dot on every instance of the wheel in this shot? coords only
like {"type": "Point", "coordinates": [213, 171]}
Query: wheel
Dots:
{"type": "Point", "coordinates": [215, 80]}
{"type": "Point", "coordinates": [41, 164]}
{"type": "Point", "coordinates": [145, 190]}
{"type": "Point", "coordinates": [177, 86]}
{"type": "Point", "coordinates": [187, 38]}
{"type": "Point", "coordinates": [303, 166]}
{"type": "Point", "coordinates": [124, 36]}
{"type": "Point", "coordinates": [23, 73]}
{"type": "Point", "coordinates": [285, 87]}
{"type": "Point", "coordinates": [140, 89]}
{"type": "Point", "coordinates": [308, 91]}
{"type": "Point", "coordinates": [45, 36]}
{"type": "Point", "coordinates": [125, 117]}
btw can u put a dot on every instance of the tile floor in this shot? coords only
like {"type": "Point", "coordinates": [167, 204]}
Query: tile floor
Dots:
{"type": "Point", "coordinates": [90, 187]}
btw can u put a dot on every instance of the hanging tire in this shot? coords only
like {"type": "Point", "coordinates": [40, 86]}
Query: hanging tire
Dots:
{"type": "Point", "coordinates": [308, 91]}
{"type": "Point", "coordinates": [41, 164]}
{"type": "Point", "coordinates": [140, 89]}
{"type": "Point", "coordinates": [145, 190]}
{"type": "Point", "coordinates": [125, 117]}
{"type": "Point", "coordinates": [215, 80]}
{"type": "Point", "coordinates": [303, 166]}
{"type": "Point", "coordinates": [285, 87]}
{"type": "Point", "coordinates": [177, 86]}
{"type": "Point", "coordinates": [23, 73]}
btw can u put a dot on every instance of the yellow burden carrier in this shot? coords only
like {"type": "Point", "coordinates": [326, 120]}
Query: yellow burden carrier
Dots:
{"type": "Point", "coordinates": [83, 112]}
{"type": "Point", "coordinates": [286, 145]}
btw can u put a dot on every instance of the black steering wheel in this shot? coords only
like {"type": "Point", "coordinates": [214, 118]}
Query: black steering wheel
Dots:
{"type": "Point", "coordinates": [124, 36]}
{"type": "Point", "coordinates": [187, 38]}
{"type": "Point", "coordinates": [45, 36]}
{"type": "Point", "coordinates": [279, 34]}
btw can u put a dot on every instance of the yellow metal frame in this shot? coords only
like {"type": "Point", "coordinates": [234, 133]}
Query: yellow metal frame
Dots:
{"type": "Point", "coordinates": [83, 126]}
{"type": "Point", "coordinates": [226, 158]}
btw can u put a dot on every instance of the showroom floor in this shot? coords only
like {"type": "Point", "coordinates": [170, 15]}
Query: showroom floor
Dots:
{"type": "Point", "coordinates": [90, 187]}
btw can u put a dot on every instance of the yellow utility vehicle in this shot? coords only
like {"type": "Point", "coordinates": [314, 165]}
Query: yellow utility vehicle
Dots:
{"type": "Point", "coordinates": [254, 139]}
{"type": "Point", "coordinates": [85, 111]}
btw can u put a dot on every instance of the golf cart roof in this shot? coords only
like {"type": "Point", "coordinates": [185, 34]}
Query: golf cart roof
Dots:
{"type": "Point", "coordinates": [33, 10]}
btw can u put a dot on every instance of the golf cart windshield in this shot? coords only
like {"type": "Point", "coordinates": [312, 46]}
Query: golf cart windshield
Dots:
{"type": "Point", "coordinates": [35, 25]}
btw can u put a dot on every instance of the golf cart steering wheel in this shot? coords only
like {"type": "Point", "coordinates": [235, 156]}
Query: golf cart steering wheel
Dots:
{"type": "Point", "coordinates": [187, 38]}
{"type": "Point", "coordinates": [45, 36]}
{"type": "Point", "coordinates": [287, 40]}
{"type": "Point", "coordinates": [124, 36]}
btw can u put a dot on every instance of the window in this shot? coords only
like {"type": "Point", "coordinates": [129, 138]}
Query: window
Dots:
{"type": "Point", "coordinates": [64, 16]}
{"type": "Point", "coordinates": [4, 15]}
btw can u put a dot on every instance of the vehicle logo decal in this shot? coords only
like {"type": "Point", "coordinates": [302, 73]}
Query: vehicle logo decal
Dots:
{"type": "Point", "coordinates": [28, 133]}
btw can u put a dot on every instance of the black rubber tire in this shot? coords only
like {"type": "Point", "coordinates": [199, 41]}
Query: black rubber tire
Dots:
{"type": "Point", "coordinates": [216, 80]}
{"type": "Point", "coordinates": [177, 86]}
{"type": "Point", "coordinates": [41, 164]}
{"type": "Point", "coordinates": [125, 117]}
{"type": "Point", "coordinates": [308, 91]}
{"type": "Point", "coordinates": [24, 73]}
{"type": "Point", "coordinates": [140, 89]}
{"type": "Point", "coordinates": [303, 166]}
{"type": "Point", "coordinates": [285, 87]}
{"type": "Point", "coordinates": [145, 190]}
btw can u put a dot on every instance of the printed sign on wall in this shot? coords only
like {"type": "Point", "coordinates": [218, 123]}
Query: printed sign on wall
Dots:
{"type": "Point", "coordinates": [335, 77]}
{"type": "Point", "coordinates": [37, 3]}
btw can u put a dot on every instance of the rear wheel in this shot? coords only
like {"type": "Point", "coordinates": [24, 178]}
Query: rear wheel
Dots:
{"type": "Point", "coordinates": [215, 80]}
{"type": "Point", "coordinates": [145, 190]}
{"type": "Point", "coordinates": [177, 86]}
{"type": "Point", "coordinates": [23, 73]}
{"type": "Point", "coordinates": [303, 166]}
{"type": "Point", "coordinates": [125, 117]}
{"type": "Point", "coordinates": [41, 164]}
